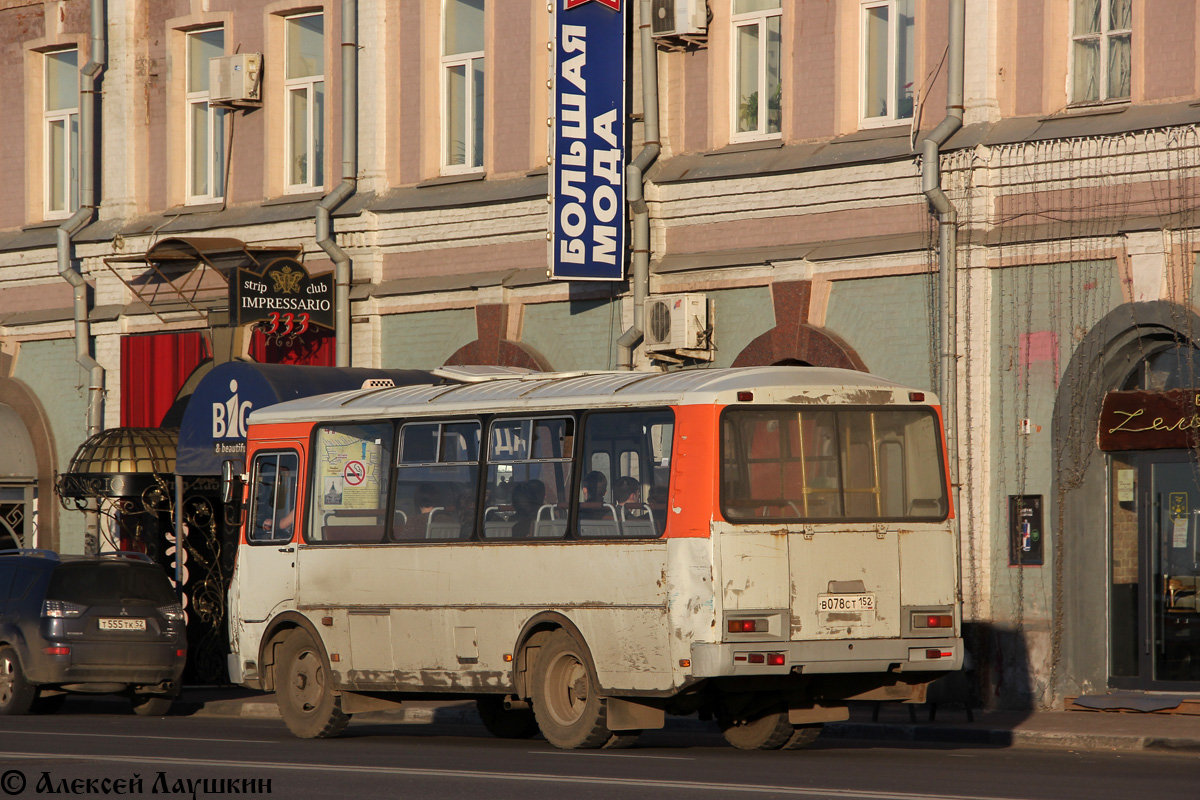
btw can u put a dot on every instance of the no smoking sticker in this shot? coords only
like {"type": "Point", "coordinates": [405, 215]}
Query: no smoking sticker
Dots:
{"type": "Point", "coordinates": [354, 473]}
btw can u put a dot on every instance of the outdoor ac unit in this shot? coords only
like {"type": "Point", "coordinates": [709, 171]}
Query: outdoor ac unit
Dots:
{"type": "Point", "coordinates": [235, 79]}
{"type": "Point", "coordinates": [670, 18]}
{"type": "Point", "coordinates": [677, 322]}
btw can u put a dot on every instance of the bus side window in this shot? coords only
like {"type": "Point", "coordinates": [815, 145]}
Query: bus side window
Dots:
{"type": "Point", "coordinates": [437, 480]}
{"type": "Point", "coordinates": [632, 502]}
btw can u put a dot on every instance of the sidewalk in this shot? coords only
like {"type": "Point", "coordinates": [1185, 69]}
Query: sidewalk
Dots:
{"type": "Point", "coordinates": [1073, 730]}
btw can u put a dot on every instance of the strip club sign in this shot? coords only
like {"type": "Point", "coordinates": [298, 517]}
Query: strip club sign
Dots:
{"type": "Point", "coordinates": [588, 149]}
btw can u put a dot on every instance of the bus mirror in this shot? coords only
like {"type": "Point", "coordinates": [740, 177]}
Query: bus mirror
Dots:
{"type": "Point", "coordinates": [232, 481]}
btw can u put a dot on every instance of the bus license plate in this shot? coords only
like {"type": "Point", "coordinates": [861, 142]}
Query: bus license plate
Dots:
{"type": "Point", "coordinates": [120, 624]}
{"type": "Point", "coordinates": [845, 602]}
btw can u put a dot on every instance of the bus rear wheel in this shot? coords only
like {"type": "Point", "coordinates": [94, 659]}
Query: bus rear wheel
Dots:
{"type": "Point", "coordinates": [304, 690]}
{"type": "Point", "coordinates": [566, 703]}
{"type": "Point", "coordinates": [770, 730]}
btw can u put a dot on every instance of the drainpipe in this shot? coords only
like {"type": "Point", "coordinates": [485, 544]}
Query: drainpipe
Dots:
{"type": "Point", "coordinates": [931, 185]}
{"type": "Point", "coordinates": [341, 192]}
{"type": "Point", "coordinates": [634, 177]}
{"type": "Point", "coordinates": [88, 203]}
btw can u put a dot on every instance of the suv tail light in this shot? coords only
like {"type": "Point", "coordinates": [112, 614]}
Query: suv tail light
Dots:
{"type": "Point", "coordinates": [172, 613]}
{"type": "Point", "coordinates": [62, 609]}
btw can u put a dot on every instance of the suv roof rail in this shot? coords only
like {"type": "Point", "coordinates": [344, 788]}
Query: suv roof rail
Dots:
{"type": "Point", "coordinates": [124, 555]}
{"type": "Point", "coordinates": [31, 551]}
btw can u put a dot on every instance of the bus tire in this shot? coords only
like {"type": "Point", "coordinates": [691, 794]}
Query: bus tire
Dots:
{"type": "Point", "coordinates": [802, 737]}
{"type": "Point", "coordinates": [505, 723]}
{"type": "Point", "coordinates": [769, 730]}
{"type": "Point", "coordinates": [304, 690]}
{"type": "Point", "coordinates": [569, 710]}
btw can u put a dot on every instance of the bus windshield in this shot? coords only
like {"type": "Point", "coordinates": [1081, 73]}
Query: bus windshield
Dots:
{"type": "Point", "coordinates": [831, 464]}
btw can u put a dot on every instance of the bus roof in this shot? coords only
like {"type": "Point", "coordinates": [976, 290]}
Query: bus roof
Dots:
{"type": "Point", "coordinates": [548, 390]}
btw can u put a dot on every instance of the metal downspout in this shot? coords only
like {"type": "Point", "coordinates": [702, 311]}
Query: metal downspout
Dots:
{"type": "Point", "coordinates": [931, 185]}
{"type": "Point", "coordinates": [634, 177]}
{"type": "Point", "coordinates": [88, 203]}
{"type": "Point", "coordinates": [341, 192]}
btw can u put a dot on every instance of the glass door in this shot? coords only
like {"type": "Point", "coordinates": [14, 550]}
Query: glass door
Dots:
{"type": "Point", "coordinates": [1174, 564]}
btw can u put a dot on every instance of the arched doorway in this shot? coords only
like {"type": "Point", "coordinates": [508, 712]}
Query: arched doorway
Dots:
{"type": "Point", "coordinates": [793, 341]}
{"type": "Point", "coordinates": [1126, 507]}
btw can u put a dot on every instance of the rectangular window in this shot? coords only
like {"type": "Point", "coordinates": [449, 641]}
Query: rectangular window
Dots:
{"type": "Point", "coordinates": [887, 61]}
{"type": "Point", "coordinates": [61, 133]}
{"type": "Point", "coordinates": [205, 124]}
{"type": "Point", "coordinates": [351, 466]}
{"type": "Point", "coordinates": [462, 85]}
{"type": "Point", "coordinates": [528, 479]}
{"type": "Point", "coordinates": [831, 464]}
{"type": "Point", "coordinates": [304, 90]}
{"type": "Point", "coordinates": [758, 87]}
{"type": "Point", "coordinates": [273, 498]}
{"type": "Point", "coordinates": [437, 481]}
{"type": "Point", "coordinates": [633, 502]}
{"type": "Point", "coordinates": [1100, 50]}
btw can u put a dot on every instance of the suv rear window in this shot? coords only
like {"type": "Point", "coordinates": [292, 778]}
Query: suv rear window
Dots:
{"type": "Point", "coordinates": [97, 584]}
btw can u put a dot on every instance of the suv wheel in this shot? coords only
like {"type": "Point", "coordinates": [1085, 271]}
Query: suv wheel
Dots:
{"type": "Point", "coordinates": [16, 693]}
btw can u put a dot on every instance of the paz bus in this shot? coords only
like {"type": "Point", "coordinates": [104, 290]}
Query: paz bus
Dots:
{"type": "Point", "coordinates": [583, 554]}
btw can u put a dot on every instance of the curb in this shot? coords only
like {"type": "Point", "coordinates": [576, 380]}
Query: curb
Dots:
{"type": "Point", "coordinates": [465, 715]}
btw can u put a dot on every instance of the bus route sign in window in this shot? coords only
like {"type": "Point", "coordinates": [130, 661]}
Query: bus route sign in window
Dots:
{"type": "Point", "coordinates": [350, 483]}
{"type": "Point", "coordinates": [831, 464]}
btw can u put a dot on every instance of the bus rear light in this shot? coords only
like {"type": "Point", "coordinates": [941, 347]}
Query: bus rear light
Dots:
{"type": "Point", "coordinates": [775, 659]}
{"type": "Point", "coordinates": [739, 658]}
{"type": "Point", "coordinates": [932, 654]}
{"type": "Point", "coordinates": [747, 626]}
{"type": "Point", "coordinates": [57, 651]}
{"type": "Point", "coordinates": [933, 621]}
{"type": "Point", "coordinates": [685, 662]}
{"type": "Point", "coordinates": [745, 397]}
{"type": "Point", "coordinates": [757, 658]}
{"type": "Point", "coordinates": [916, 397]}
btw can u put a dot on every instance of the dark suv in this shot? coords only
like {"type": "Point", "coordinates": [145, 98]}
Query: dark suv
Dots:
{"type": "Point", "coordinates": [90, 624]}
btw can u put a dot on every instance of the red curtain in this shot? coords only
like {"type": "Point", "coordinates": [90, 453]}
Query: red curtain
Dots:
{"type": "Point", "coordinates": [314, 348]}
{"type": "Point", "coordinates": [153, 370]}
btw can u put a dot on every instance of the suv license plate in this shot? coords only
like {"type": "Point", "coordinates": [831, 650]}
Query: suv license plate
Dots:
{"type": "Point", "coordinates": [121, 624]}
{"type": "Point", "coordinates": [845, 602]}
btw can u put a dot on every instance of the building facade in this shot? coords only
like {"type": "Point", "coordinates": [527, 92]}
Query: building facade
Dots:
{"type": "Point", "coordinates": [787, 194]}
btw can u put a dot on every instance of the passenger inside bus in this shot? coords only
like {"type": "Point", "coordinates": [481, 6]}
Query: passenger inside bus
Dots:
{"type": "Point", "coordinates": [425, 501]}
{"type": "Point", "coordinates": [595, 486]}
{"type": "Point", "coordinates": [527, 498]}
{"type": "Point", "coordinates": [277, 504]}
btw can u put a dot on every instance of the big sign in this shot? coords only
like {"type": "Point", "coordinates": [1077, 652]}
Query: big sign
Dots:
{"type": "Point", "coordinates": [588, 176]}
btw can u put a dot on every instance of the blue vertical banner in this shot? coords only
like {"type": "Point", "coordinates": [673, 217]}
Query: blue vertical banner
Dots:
{"type": "Point", "coordinates": [588, 174]}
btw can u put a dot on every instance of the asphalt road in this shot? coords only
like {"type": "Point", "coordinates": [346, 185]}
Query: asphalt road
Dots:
{"type": "Point", "coordinates": [59, 755]}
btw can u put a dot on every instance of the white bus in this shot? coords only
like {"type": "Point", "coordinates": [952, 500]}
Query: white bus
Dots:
{"type": "Point", "coordinates": [583, 554]}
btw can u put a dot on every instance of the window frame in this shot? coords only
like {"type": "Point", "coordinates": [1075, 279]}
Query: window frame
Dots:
{"type": "Point", "coordinates": [69, 118]}
{"type": "Point", "coordinates": [757, 19]}
{"type": "Point", "coordinates": [1103, 37]}
{"type": "Point", "coordinates": [314, 180]}
{"type": "Point", "coordinates": [213, 118]}
{"type": "Point", "coordinates": [447, 62]}
{"type": "Point", "coordinates": [252, 505]}
{"type": "Point", "coordinates": [893, 36]}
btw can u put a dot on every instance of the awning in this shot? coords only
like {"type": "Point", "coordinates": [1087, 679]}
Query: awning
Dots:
{"type": "Point", "coordinates": [120, 463]}
{"type": "Point", "coordinates": [214, 422]}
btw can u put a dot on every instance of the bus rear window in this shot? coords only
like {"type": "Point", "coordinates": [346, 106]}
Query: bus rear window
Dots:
{"type": "Point", "coordinates": [831, 464]}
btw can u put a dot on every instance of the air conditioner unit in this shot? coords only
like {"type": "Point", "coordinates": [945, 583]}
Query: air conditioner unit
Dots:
{"type": "Point", "coordinates": [677, 322]}
{"type": "Point", "coordinates": [235, 79]}
{"type": "Point", "coordinates": [674, 18]}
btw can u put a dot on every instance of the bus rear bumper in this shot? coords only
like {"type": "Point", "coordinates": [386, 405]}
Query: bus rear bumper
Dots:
{"type": "Point", "coordinates": [841, 656]}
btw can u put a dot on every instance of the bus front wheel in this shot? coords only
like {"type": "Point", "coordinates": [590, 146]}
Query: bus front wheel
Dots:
{"type": "Point", "coordinates": [767, 731]}
{"type": "Point", "coordinates": [304, 690]}
{"type": "Point", "coordinates": [566, 703]}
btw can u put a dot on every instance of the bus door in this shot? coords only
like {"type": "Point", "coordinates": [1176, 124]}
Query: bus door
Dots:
{"type": "Point", "coordinates": [269, 553]}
